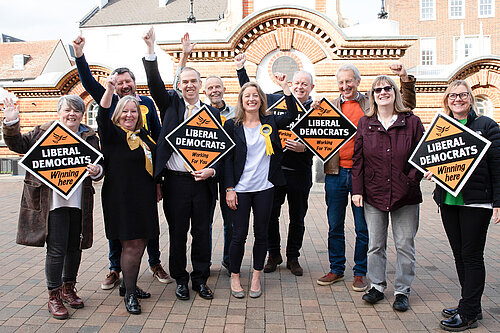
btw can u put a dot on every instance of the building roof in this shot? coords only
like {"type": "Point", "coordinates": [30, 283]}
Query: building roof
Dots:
{"type": "Point", "coordinates": [126, 12]}
{"type": "Point", "coordinates": [39, 54]}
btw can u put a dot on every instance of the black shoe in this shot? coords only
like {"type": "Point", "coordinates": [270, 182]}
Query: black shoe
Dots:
{"type": "Point", "coordinates": [453, 311]}
{"type": "Point", "coordinates": [182, 292]}
{"type": "Point", "coordinates": [294, 266]}
{"type": "Point", "coordinates": [204, 291]}
{"type": "Point", "coordinates": [226, 266]}
{"type": "Point", "coordinates": [139, 293]}
{"type": "Point", "coordinates": [272, 263]}
{"type": "Point", "coordinates": [132, 304]}
{"type": "Point", "coordinates": [458, 324]}
{"type": "Point", "coordinates": [401, 303]}
{"type": "Point", "coordinates": [373, 296]}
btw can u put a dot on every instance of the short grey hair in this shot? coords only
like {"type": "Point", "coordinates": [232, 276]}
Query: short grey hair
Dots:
{"type": "Point", "coordinates": [75, 102]}
{"type": "Point", "coordinates": [352, 68]}
{"type": "Point", "coordinates": [216, 78]}
{"type": "Point", "coordinates": [311, 80]}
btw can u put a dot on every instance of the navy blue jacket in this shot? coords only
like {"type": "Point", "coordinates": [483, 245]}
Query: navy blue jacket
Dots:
{"type": "Point", "coordinates": [96, 90]}
{"type": "Point", "coordinates": [235, 160]}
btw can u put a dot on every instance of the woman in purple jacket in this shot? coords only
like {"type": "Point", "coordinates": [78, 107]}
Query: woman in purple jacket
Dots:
{"type": "Point", "coordinates": [384, 183]}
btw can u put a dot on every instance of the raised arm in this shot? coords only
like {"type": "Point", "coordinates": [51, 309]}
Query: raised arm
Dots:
{"type": "Point", "coordinates": [187, 48]}
{"type": "Point", "coordinates": [407, 85]}
{"type": "Point", "coordinates": [285, 119]}
{"type": "Point", "coordinates": [94, 88]}
{"type": "Point", "coordinates": [239, 61]}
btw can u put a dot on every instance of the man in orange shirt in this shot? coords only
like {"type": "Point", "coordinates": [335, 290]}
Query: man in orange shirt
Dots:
{"type": "Point", "coordinates": [353, 105]}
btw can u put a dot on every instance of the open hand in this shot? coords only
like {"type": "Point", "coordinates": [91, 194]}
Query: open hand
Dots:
{"type": "Point", "coordinates": [10, 111]}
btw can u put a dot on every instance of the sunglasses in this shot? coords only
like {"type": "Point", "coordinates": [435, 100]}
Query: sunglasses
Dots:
{"type": "Point", "coordinates": [386, 89]}
{"type": "Point", "coordinates": [462, 95]}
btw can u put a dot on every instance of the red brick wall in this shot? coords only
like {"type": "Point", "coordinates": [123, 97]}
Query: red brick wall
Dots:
{"type": "Point", "coordinates": [247, 7]}
{"type": "Point", "coordinates": [407, 13]}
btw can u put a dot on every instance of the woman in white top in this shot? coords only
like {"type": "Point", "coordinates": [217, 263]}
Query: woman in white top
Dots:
{"type": "Point", "coordinates": [252, 169]}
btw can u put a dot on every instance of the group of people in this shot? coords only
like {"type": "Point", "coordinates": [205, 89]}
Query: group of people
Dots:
{"type": "Point", "coordinates": [140, 168]}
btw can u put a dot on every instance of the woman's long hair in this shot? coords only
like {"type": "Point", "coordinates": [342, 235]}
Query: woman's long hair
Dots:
{"type": "Point", "coordinates": [119, 110]}
{"type": "Point", "coordinates": [453, 85]}
{"type": "Point", "coordinates": [398, 100]}
{"type": "Point", "coordinates": [240, 111]}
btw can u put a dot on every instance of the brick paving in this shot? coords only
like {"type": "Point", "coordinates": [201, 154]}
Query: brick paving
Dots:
{"type": "Point", "coordinates": [289, 303]}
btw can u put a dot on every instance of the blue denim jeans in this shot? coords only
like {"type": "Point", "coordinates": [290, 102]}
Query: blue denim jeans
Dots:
{"type": "Point", "coordinates": [115, 253]}
{"type": "Point", "coordinates": [337, 189]}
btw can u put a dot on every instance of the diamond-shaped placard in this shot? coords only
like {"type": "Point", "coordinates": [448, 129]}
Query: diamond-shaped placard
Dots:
{"type": "Point", "coordinates": [59, 159]}
{"type": "Point", "coordinates": [450, 151]}
{"type": "Point", "coordinates": [200, 140]}
{"type": "Point", "coordinates": [324, 130]}
{"type": "Point", "coordinates": [279, 108]}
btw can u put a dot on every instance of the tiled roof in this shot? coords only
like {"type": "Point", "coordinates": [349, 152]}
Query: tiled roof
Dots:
{"type": "Point", "coordinates": [123, 12]}
{"type": "Point", "coordinates": [39, 52]}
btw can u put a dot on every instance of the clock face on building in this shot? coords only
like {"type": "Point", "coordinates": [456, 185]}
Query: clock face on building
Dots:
{"type": "Point", "coordinates": [286, 65]}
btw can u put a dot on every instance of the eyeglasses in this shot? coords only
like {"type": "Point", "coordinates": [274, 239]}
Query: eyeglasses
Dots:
{"type": "Point", "coordinates": [462, 95]}
{"type": "Point", "coordinates": [386, 89]}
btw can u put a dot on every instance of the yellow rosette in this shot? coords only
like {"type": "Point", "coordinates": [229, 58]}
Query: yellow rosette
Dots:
{"type": "Point", "coordinates": [266, 131]}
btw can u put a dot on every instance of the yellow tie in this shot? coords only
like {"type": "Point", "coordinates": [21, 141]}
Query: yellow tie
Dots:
{"type": "Point", "coordinates": [190, 110]}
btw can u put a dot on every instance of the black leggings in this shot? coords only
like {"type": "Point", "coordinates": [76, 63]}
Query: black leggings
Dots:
{"type": "Point", "coordinates": [63, 246]}
{"type": "Point", "coordinates": [261, 203]}
{"type": "Point", "coordinates": [466, 228]}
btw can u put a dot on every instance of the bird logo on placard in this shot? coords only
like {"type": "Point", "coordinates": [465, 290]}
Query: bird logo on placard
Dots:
{"type": "Point", "coordinates": [441, 130]}
{"type": "Point", "coordinates": [58, 137]}
{"type": "Point", "coordinates": [202, 121]}
{"type": "Point", "coordinates": [322, 111]}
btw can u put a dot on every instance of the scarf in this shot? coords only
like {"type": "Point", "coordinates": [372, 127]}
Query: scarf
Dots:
{"type": "Point", "coordinates": [134, 142]}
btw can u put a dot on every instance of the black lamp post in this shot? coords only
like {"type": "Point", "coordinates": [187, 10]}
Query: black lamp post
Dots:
{"type": "Point", "coordinates": [191, 18]}
{"type": "Point", "coordinates": [383, 14]}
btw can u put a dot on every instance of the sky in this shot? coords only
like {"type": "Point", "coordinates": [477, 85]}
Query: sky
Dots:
{"type": "Point", "coordinates": [58, 19]}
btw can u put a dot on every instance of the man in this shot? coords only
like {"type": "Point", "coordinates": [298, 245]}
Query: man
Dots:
{"type": "Point", "coordinates": [353, 105]}
{"type": "Point", "coordinates": [214, 91]}
{"type": "Point", "coordinates": [188, 198]}
{"type": "Point", "coordinates": [125, 86]}
{"type": "Point", "coordinates": [296, 165]}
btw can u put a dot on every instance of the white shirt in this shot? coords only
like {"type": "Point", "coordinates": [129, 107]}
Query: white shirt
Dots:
{"type": "Point", "coordinates": [256, 170]}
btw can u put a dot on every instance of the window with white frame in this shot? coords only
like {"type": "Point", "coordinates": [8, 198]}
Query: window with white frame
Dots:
{"type": "Point", "coordinates": [427, 10]}
{"type": "Point", "coordinates": [92, 115]}
{"type": "Point", "coordinates": [484, 106]}
{"type": "Point", "coordinates": [471, 46]}
{"type": "Point", "coordinates": [486, 8]}
{"type": "Point", "coordinates": [457, 9]}
{"type": "Point", "coordinates": [427, 51]}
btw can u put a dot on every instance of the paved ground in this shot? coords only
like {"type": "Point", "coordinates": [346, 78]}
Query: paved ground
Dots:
{"type": "Point", "coordinates": [289, 303]}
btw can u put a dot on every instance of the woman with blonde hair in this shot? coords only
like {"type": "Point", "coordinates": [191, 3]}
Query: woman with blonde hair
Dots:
{"type": "Point", "coordinates": [385, 184]}
{"type": "Point", "coordinates": [251, 171]}
{"type": "Point", "coordinates": [467, 216]}
{"type": "Point", "coordinates": [129, 192]}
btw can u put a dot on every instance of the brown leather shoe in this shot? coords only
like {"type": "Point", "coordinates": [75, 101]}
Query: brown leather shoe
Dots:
{"type": "Point", "coordinates": [69, 295]}
{"type": "Point", "coordinates": [294, 266]}
{"type": "Point", "coordinates": [359, 283]}
{"type": "Point", "coordinates": [272, 263]}
{"type": "Point", "coordinates": [111, 280]}
{"type": "Point", "coordinates": [55, 305]}
{"type": "Point", "coordinates": [329, 278]}
{"type": "Point", "coordinates": [159, 273]}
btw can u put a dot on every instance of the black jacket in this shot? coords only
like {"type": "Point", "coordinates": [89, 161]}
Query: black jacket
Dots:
{"type": "Point", "coordinates": [236, 158]}
{"type": "Point", "coordinates": [483, 186]}
{"type": "Point", "coordinates": [172, 109]}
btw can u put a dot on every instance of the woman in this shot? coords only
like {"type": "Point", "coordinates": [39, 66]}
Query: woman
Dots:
{"type": "Point", "coordinates": [129, 193]}
{"type": "Point", "coordinates": [466, 217]}
{"type": "Point", "coordinates": [46, 217]}
{"type": "Point", "coordinates": [384, 183]}
{"type": "Point", "coordinates": [251, 172]}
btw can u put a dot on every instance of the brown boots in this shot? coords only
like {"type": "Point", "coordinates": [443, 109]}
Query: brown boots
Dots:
{"type": "Point", "coordinates": [56, 306]}
{"type": "Point", "coordinates": [69, 295]}
{"type": "Point", "coordinates": [66, 293]}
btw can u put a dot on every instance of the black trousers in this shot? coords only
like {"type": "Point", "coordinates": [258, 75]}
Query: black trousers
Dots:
{"type": "Point", "coordinates": [64, 253]}
{"type": "Point", "coordinates": [297, 192]}
{"type": "Point", "coordinates": [466, 228]}
{"type": "Point", "coordinates": [188, 204]}
{"type": "Point", "coordinates": [261, 204]}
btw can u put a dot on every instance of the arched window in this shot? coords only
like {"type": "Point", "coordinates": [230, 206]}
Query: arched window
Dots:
{"type": "Point", "coordinates": [484, 106]}
{"type": "Point", "coordinates": [92, 115]}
